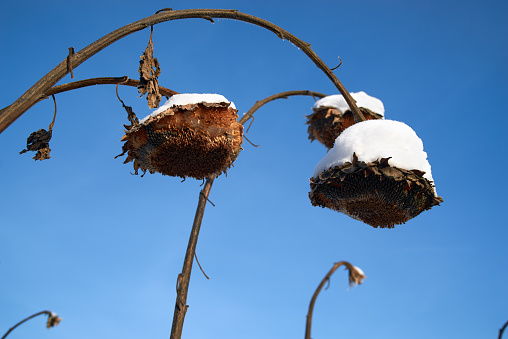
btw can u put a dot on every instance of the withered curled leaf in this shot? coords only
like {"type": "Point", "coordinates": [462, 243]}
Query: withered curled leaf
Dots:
{"type": "Point", "coordinates": [39, 142]}
{"type": "Point", "coordinates": [149, 71]}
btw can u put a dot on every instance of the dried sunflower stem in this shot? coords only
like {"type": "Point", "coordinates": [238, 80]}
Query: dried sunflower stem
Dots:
{"type": "Point", "coordinates": [12, 112]}
{"type": "Point", "coordinates": [184, 277]}
{"type": "Point", "coordinates": [282, 95]}
{"type": "Point", "coordinates": [24, 320]}
{"type": "Point", "coordinates": [100, 81]}
{"type": "Point", "coordinates": [314, 297]}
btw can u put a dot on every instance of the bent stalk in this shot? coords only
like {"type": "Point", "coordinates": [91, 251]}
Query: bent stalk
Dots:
{"type": "Point", "coordinates": [12, 112]}
{"type": "Point", "coordinates": [282, 95]}
{"type": "Point", "coordinates": [354, 277]}
{"type": "Point", "coordinates": [53, 320]}
{"type": "Point", "coordinates": [101, 81]}
{"type": "Point", "coordinates": [502, 330]}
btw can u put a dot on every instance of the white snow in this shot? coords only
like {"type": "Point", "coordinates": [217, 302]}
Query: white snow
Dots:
{"type": "Point", "coordinates": [362, 100]}
{"type": "Point", "coordinates": [359, 270]}
{"type": "Point", "coordinates": [372, 140]}
{"type": "Point", "coordinates": [189, 98]}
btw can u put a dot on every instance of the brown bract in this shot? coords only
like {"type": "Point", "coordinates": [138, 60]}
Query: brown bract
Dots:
{"type": "Point", "coordinates": [376, 193]}
{"type": "Point", "coordinates": [327, 123]}
{"type": "Point", "coordinates": [194, 140]}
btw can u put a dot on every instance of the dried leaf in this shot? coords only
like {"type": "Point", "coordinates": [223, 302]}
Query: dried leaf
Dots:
{"type": "Point", "coordinates": [39, 141]}
{"type": "Point", "coordinates": [149, 71]}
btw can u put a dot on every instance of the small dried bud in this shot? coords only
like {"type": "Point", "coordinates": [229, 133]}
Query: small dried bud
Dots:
{"type": "Point", "coordinates": [53, 320]}
{"type": "Point", "coordinates": [356, 276]}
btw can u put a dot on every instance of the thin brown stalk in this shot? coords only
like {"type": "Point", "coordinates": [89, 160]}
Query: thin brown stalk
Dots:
{"type": "Point", "coordinates": [101, 81]}
{"type": "Point", "coordinates": [54, 115]}
{"type": "Point", "coordinates": [201, 268]}
{"type": "Point", "coordinates": [283, 95]}
{"type": "Point", "coordinates": [12, 112]}
{"type": "Point", "coordinates": [184, 277]}
{"type": "Point", "coordinates": [250, 142]}
{"type": "Point", "coordinates": [502, 330]}
{"type": "Point", "coordinates": [49, 313]}
{"type": "Point", "coordinates": [183, 281]}
{"type": "Point", "coordinates": [316, 293]}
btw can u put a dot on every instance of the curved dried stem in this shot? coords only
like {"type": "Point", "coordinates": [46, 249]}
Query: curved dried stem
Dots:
{"type": "Point", "coordinates": [501, 330]}
{"type": "Point", "coordinates": [354, 277]}
{"type": "Point", "coordinates": [100, 81]}
{"type": "Point", "coordinates": [333, 69]}
{"type": "Point", "coordinates": [201, 268]}
{"type": "Point", "coordinates": [53, 320]}
{"type": "Point", "coordinates": [282, 95]}
{"type": "Point", "coordinates": [12, 112]}
{"type": "Point", "coordinates": [54, 115]}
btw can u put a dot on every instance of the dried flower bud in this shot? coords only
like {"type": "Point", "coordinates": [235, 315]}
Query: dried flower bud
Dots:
{"type": "Point", "coordinates": [356, 276]}
{"type": "Point", "coordinates": [53, 320]}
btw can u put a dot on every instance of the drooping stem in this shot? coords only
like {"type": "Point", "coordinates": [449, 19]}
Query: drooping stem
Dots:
{"type": "Point", "coordinates": [314, 297]}
{"type": "Point", "coordinates": [49, 313]}
{"type": "Point", "coordinates": [182, 286]}
{"type": "Point", "coordinates": [283, 95]}
{"type": "Point", "coordinates": [502, 330]}
{"type": "Point", "coordinates": [101, 81]}
{"type": "Point", "coordinates": [12, 112]}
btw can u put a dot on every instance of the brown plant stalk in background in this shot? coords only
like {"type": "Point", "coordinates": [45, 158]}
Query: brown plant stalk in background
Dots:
{"type": "Point", "coordinates": [53, 320]}
{"type": "Point", "coordinates": [355, 277]}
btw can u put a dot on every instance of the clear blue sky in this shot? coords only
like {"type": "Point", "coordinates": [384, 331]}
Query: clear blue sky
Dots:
{"type": "Point", "coordinates": [81, 236]}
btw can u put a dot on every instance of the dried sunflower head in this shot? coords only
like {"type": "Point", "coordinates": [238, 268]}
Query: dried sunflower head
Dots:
{"type": "Point", "coordinates": [376, 193]}
{"type": "Point", "coordinates": [192, 135]}
{"type": "Point", "coordinates": [365, 185]}
{"type": "Point", "coordinates": [332, 115]}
